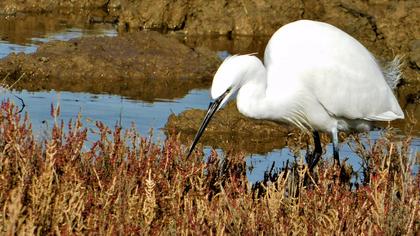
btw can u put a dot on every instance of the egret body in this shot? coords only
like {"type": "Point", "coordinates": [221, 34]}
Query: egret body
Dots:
{"type": "Point", "coordinates": [314, 76]}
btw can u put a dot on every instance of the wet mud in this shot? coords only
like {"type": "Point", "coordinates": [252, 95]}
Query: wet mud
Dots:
{"type": "Point", "coordinates": [408, 95]}
{"type": "Point", "coordinates": [230, 130]}
{"type": "Point", "coordinates": [13, 7]}
{"type": "Point", "coordinates": [23, 28]}
{"type": "Point", "coordinates": [387, 28]}
{"type": "Point", "coordinates": [140, 65]}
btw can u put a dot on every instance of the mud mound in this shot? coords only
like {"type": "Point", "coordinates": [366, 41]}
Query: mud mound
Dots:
{"type": "Point", "coordinates": [230, 130]}
{"type": "Point", "coordinates": [142, 65]}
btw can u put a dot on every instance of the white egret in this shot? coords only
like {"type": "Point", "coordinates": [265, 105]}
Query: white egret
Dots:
{"type": "Point", "coordinates": [314, 76]}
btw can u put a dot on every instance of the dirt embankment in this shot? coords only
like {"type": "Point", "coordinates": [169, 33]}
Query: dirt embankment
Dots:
{"type": "Point", "coordinates": [386, 27]}
{"type": "Point", "coordinates": [23, 28]}
{"type": "Point", "coordinates": [13, 7]}
{"type": "Point", "coordinates": [394, 24]}
{"type": "Point", "coordinates": [141, 65]}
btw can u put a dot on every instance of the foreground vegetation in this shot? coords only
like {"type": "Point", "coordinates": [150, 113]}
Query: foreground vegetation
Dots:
{"type": "Point", "coordinates": [125, 184]}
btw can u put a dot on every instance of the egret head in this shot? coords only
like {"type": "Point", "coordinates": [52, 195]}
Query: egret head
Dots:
{"type": "Point", "coordinates": [226, 82]}
{"type": "Point", "coordinates": [228, 78]}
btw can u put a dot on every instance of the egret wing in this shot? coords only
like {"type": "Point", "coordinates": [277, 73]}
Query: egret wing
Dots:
{"type": "Point", "coordinates": [324, 63]}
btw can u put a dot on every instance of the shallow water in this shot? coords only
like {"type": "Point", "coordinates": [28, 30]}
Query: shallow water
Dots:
{"type": "Point", "coordinates": [110, 109]}
{"type": "Point", "coordinates": [7, 47]}
{"type": "Point", "coordinates": [116, 109]}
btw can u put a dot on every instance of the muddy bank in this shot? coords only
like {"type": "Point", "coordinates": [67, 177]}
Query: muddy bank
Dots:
{"type": "Point", "coordinates": [23, 28]}
{"type": "Point", "coordinates": [230, 130]}
{"type": "Point", "coordinates": [385, 27]}
{"type": "Point", "coordinates": [141, 65]}
{"type": "Point", "coordinates": [13, 7]}
{"type": "Point", "coordinates": [409, 99]}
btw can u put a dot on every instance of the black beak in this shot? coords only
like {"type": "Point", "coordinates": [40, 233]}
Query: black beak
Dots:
{"type": "Point", "coordinates": [213, 107]}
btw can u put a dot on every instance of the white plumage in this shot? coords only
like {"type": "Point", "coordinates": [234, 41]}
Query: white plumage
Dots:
{"type": "Point", "coordinates": [314, 76]}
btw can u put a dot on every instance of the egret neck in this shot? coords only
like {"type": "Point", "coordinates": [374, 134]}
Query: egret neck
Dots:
{"type": "Point", "coordinates": [251, 95]}
{"type": "Point", "coordinates": [253, 100]}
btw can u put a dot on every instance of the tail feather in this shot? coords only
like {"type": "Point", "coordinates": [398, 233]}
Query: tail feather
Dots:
{"type": "Point", "coordinates": [392, 72]}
